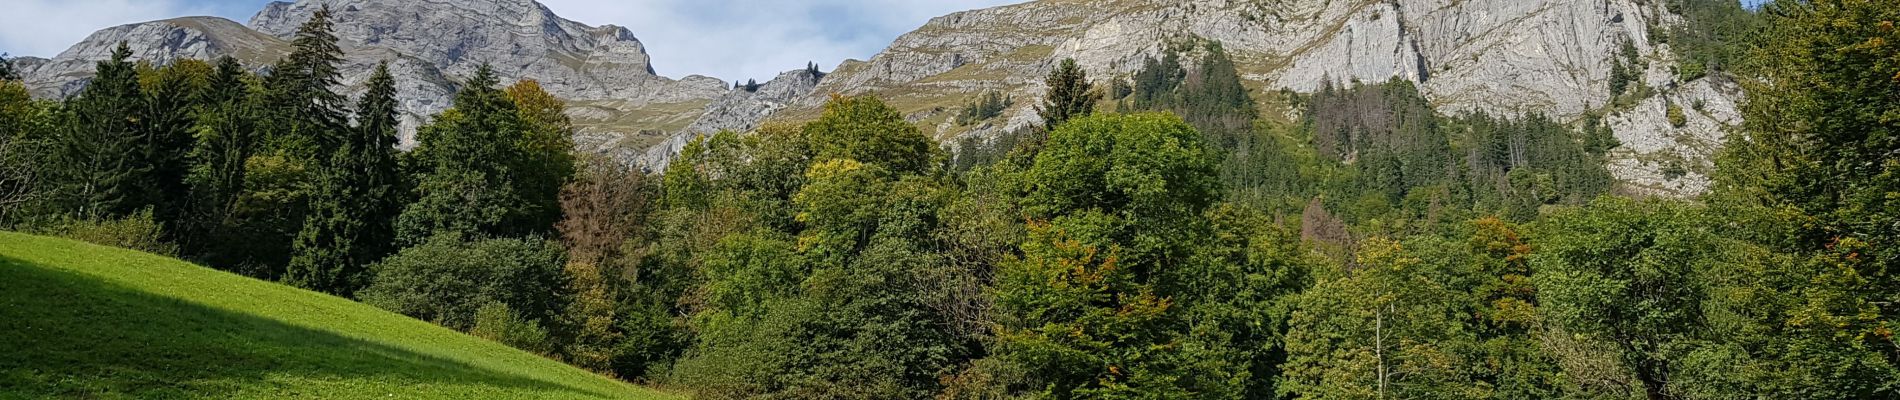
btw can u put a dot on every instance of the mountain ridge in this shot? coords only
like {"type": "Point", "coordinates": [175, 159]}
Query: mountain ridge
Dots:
{"type": "Point", "coordinates": [1496, 56]}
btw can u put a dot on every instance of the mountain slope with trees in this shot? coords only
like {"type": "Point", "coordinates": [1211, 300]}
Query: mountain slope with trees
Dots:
{"type": "Point", "coordinates": [1164, 232]}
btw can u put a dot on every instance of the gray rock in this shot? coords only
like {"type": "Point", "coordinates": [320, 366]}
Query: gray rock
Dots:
{"type": "Point", "coordinates": [740, 110]}
{"type": "Point", "coordinates": [429, 44]}
{"type": "Point", "coordinates": [159, 42]}
{"type": "Point", "coordinates": [1499, 56]}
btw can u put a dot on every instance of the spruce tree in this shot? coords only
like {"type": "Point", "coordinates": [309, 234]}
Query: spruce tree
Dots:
{"type": "Point", "coordinates": [468, 182]}
{"type": "Point", "coordinates": [225, 127]}
{"type": "Point", "coordinates": [321, 252]}
{"type": "Point", "coordinates": [372, 153]}
{"type": "Point", "coordinates": [307, 116]}
{"type": "Point", "coordinates": [1070, 95]}
{"type": "Point", "coordinates": [96, 162]}
{"type": "Point", "coordinates": [169, 98]}
{"type": "Point", "coordinates": [354, 200]}
{"type": "Point", "coordinates": [7, 73]}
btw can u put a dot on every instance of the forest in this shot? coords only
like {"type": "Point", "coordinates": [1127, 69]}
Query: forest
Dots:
{"type": "Point", "coordinates": [1153, 237]}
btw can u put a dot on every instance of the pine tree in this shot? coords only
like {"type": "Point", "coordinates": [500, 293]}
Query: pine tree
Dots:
{"type": "Point", "coordinates": [96, 162]}
{"type": "Point", "coordinates": [169, 98]}
{"type": "Point", "coordinates": [225, 127]}
{"type": "Point", "coordinates": [1070, 96]}
{"type": "Point", "coordinates": [7, 73]}
{"type": "Point", "coordinates": [372, 154]}
{"type": "Point", "coordinates": [354, 202]}
{"type": "Point", "coordinates": [468, 181]}
{"type": "Point", "coordinates": [307, 116]}
{"type": "Point", "coordinates": [321, 252]}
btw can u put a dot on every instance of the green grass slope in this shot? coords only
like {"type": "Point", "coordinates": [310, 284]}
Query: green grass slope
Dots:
{"type": "Point", "coordinates": [85, 321]}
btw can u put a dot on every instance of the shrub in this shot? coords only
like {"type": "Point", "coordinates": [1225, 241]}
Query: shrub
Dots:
{"type": "Point", "coordinates": [137, 232]}
{"type": "Point", "coordinates": [495, 321]}
{"type": "Point", "coordinates": [448, 279]}
{"type": "Point", "coordinates": [1677, 118]}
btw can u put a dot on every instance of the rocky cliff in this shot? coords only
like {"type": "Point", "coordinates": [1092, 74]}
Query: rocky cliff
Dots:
{"type": "Point", "coordinates": [1498, 56]}
{"type": "Point", "coordinates": [604, 71]}
{"type": "Point", "coordinates": [159, 42]}
{"type": "Point", "coordinates": [744, 109]}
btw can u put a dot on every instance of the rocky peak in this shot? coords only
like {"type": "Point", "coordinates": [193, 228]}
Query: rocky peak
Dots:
{"type": "Point", "coordinates": [1500, 56]}
{"type": "Point", "coordinates": [159, 42]}
{"type": "Point", "coordinates": [741, 110]}
{"type": "Point", "coordinates": [519, 38]}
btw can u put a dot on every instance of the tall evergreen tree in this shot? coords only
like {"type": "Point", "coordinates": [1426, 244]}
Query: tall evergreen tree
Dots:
{"type": "Point", "coordinates": [7, 73]}
{"type": "Point", "coordinates": [1070, 95]}
{"type": "Point", "coordinates": [469, 180]}
{"type": "Point", "coordinates": [169, 98]}
{"type": "Point", "coordinates": [308, 118]}
{"type": "Point", "coordinates": [96, 160]}
{"type": "Point", "coordinates": [372, 154]}
{"type": "Point", "coordinates": [225, 127]}
{"type": "Point", "coordinates": [354, 201]}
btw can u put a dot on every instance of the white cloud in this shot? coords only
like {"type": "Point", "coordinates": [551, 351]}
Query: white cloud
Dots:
{"type": "Point", "coordinates": [743, 39]}
{"type": "Point", "coordinates": [46, 27]}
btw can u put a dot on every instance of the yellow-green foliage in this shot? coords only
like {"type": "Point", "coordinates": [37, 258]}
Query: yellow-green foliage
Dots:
{"type": "Point", "coordinates": [137, 232]}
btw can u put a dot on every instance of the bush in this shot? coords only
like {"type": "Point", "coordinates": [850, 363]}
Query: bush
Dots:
{"type": "Point", "coordinates": [137, 232]}
{"type": "Point", "coordinates": [1677, 118]}
{"type": "Point", "coordinates": [495, 321]}
{"type": "Point", "coordinates": [448, 280]}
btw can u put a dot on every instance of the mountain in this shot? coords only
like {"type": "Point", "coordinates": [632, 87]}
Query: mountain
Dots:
{"type": "Point", "coordinates": [88, 321]}
{"type": "Point", "coordinates": [1498, 56]}
{"type": "Point", "coordinates": [604, 72]}
{"type": "Point", "coordinates": [158, 42]}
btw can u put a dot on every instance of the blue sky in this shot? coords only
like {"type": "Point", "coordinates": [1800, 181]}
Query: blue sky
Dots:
{"type": "Point", "coordinates": [729, 39]}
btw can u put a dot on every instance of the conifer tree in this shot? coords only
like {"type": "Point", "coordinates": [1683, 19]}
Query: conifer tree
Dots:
{"type": "Point", "coordinates": [469, 181]}
{"type": "Point", "coordinates": [96, 158]}
{"type": "Point", "coordinates": [169, 98]}
{"type": "Point", "coordinates": [1070, 95]}
{"type": "Point", "coordinates": [354, 201]}
{"type": "Point", "coordinates": [307, 116]}
{"type": "Point", "coordinates": [226, 137]}
{"type": "Point", "coordinates": [372, 154]}
{"type": "Point", "coordinates": [7, 73]}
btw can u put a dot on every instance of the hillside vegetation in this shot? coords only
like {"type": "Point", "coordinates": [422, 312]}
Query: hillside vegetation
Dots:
{"type": "Point", "coordinates": [86, 321]}
{"type": "Point", "coordinates": [1165, 235]}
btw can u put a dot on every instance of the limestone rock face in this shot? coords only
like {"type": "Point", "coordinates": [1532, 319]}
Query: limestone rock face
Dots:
{"type": "Point", "coordinates": [160, 42]}
{"type": "Point", "coordinates": [430, 45]}
{"type": "Point", "coordinates": [1499, 56]}
{"type": "Point", "coordinates": [741, 110]}
{"type": "Point", "coordinates": [521, 39]}
{"type": "Point", "coordinates": [606, 68]}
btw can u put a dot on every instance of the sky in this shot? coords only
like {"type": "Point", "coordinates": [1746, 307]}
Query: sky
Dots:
{"type": "Point", "coordinates": [729, 39]}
